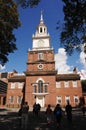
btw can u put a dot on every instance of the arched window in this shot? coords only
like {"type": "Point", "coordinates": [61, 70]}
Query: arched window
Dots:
{"type": "Point", "coordinates": [40, 86]}
{"type": "Point", "coordinates": [40, 30]}
{"type": "Point", "coordinates": [44, 30]}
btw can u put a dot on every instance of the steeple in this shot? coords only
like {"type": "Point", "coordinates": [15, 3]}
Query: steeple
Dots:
{"type": "Point", "coordinates": [41, 38]}
{"type": "Point", "coordinates": [41, 30]}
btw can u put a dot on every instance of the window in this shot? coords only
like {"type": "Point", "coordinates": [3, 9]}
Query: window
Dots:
{"type": "Point", "coordinates": [40, 86]}
{"type": "Point", "coordinates": [44, 29]}
{"type": "Point", "coordinates": [12, 85]}
{"type": "Point", "coordinates": [35, 89]}
{"type": "Point", "coordinates": [45, 88]}
{"type": "Point", "coordinates": [40, 56]}
{"type": "Point", "coordinates": [74, 83]}
{"type": "Point", "coordinates": [11, 99]}
{"type": "Point", "coordinates": [66, 84]}
{"type": "Point", "coordinates": [76, 100]}
{"type": "Point", "coordinates": [59, 99]}
{"type": "Point", "coordinates": [20, 85]}
{"type": "Point", "coordinates": [58, 85]}
{"type": "Point", "coordinates": [67, 99]}
{"type": "Point", "coordinates": [41, 30]}
{"type": "Point", "coordinates": [19, 99]}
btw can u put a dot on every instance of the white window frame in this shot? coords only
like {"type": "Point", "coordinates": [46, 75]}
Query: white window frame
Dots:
{"type": "Point", "coordinates": [20, 85]}
{"type": "Point", "coordinates": [66, 84]}
{"type": "Point", "coordinates": [35, 88]}
{"type": "Point", "coordinates": [59, 98]}
{"type": "Point", "coordinates": [19, 102]}
{"type": "Point", "coordinates": [40, 56]}
{"type": "Point", "coordinates": [13, 85]}
{"type": "Point", "coordinates": [58, 84]}
{"type": "Point", "coordinates": [74, 84]}
{"type": "Point", "coordinates": [76, 98]}
{"type": "Point", "coordinates": [11, 99]}
{"type": "Point", "coordinates": [67, 98]}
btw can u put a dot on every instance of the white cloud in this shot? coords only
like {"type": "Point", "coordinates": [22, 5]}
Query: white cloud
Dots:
{"type": "Point", "coordinates": [2, 67]}
{"type": "Point", "coordinates": [82, 59]}
{"type": "Point", "coordinates": [82, 74]}
{"type": "Point", "coordinates": [61, 61]}
{"type": "Point", "coordinates": [83, 62]}
{"type": "Point", "coordinates": [62, 66]}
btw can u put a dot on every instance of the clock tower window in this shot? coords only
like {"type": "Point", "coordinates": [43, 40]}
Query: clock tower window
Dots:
{"type": "Point", "coordinates": [40, 30]}
{"type": "Point", "coordinates": [44, 29]}
{"type": "Point", "coordinates": [40, 56]}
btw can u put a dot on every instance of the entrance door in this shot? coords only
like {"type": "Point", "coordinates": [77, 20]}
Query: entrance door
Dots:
{"type": "Point", "coordinates": [40, 100]}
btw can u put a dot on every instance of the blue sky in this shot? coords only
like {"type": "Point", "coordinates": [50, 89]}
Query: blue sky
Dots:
{"type": "Point", "coordinates": [30, 18]}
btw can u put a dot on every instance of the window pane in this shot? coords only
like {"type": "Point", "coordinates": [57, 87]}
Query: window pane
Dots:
{"type": "Point", "coordinates": [67, 99]}
{"type": "Point", "coordinates": [11, 99]}
{"type": "Point", "coordinates": [58, 85]}
{"type": "Point", "coordinates": [20, 85]}
{"type": "Point", "coordinates": [66, 84]}
{"type": "Point", "coordinates": [59, 99]}
{"type": "Point", "coordinates": [74, 83]}
{"type": "Point", "coordinates": [40, 56]}
{"type": "Point", "coordinates": [35, 89]}
{"type": "Point", "coordinates": [76, 100]}
{"type": "Point", "coordinates": [45, 88]}
{"type": "Point", "coordinates": [19, 99]}
{"type": "Point", "coordinates": [12, 85]}
{"type": "Point", "coordinates": [40, 86]}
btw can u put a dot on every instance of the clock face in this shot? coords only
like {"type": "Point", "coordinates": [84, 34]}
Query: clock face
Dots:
{"type": "Point", "coordinates": [40, 43]}
{"type": "Point", "coordinates": [40, 66]}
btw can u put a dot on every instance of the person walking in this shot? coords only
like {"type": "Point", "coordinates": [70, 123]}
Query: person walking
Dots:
{"type": "Point", "coordinates": [83, 110]}
{"type": "Point", "coordinates": [58, 114]}
{"type": "Point", "coordinates": [24, 115]}
{"type": "Point", "coordinates": [39, 108]}
{"type": "Point", "coordinates": [36, 109]}
{"type": "Point", "coordinates": [48, 113]}
{"type": "Point", "coordinates": [68, 110]}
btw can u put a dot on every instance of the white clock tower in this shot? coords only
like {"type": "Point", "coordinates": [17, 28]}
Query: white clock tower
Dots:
{"type": "Point", "coordinates": [41, 39]}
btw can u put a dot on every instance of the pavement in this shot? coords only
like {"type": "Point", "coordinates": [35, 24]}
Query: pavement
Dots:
{"type": "Point", "coordinates": [10, 120]}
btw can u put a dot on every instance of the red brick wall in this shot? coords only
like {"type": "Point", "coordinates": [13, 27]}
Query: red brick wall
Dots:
{"type": "Point", "coordinates": [13, 92]}
{"type": "Point", "coordinates": [51, 89]}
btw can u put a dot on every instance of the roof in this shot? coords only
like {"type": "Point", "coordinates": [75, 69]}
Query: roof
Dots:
{"type": "Point", "coordinates": [71, 76]}
{"type": "Point", "coordinates": [17, 78]}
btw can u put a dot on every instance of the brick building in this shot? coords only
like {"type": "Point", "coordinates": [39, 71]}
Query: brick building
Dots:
{"type": "Point", "coordinates": [41, 83]}
{"type": "Point", "coordinates": [3, 88]}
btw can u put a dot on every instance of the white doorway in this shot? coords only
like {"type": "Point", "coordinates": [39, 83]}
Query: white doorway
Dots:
{"type": "Point", "coordinates": [40, 100]}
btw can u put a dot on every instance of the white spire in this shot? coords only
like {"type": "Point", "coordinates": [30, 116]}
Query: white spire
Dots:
{"type": "Point", "coordinates": [41, 19]}
{"type": "Point", "coordinates": [41, 15]}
